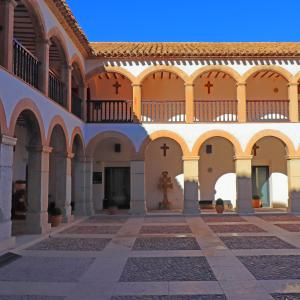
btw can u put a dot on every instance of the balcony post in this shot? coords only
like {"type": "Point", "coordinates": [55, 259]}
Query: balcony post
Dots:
{"type": "Point", "coordinates": [68, 87]}
{"type": "Point", "coordinates": [7, 11]}
{"type": "Point", "coordinates": [137, 102]}
{"type": "Point", "coordinates": [293, 102]}
{"type": "Point", "coordinates": [189, 102]}
{"type": "Point", "coordinates": [242, 102]}
{"type": "Point", "coordinates": [43, 74]}
{"type": "Point", "coordinates": [83, 96]}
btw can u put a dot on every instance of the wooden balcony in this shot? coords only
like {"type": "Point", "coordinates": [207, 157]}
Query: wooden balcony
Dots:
{"type": "Point", "coordinates": [56, 89]}
{"type": "Point", "coordinates": [215, 111]}
{"type": "Point", "coordinates": [163, 111]}
{"type": "Point", "coordinates": [109, 111]}
{"type": "Point", "coordinates": [267, 110]}
{"type": "Point", "coordinates": [26, 65]}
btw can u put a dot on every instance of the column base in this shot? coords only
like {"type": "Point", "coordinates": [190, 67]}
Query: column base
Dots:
{"type": "Point", "coordinates": [137, 208]}
{"type": "Point", "coordinates": [68, 219]}
{"type": "Point", "coordinates": [294, 203]}
{"type": "Point", "coordinates": [37, 223]}
{"type": "Point", "coordinates": [245, 210]}
{"type": "Point", "coordinates": [191, 207]}
{"type": "Point", "coordinates": [7, 243]}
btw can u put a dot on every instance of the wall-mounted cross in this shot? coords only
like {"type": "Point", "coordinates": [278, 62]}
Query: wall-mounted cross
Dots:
{"type": "Point", "coordinates": [117, 85]}
{"type": "Point", "coordinates": [208, 85]}
{"type": "Point", "coordinates": [255, 148]}
{"type": "Point", "coordinates": [165, 148]}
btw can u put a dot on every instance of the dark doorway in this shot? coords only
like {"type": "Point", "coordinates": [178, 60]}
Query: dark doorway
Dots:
{"type": "Point", "coordinates": [117, 187]}
{"type": "Point", "coordinates": [260, 183]}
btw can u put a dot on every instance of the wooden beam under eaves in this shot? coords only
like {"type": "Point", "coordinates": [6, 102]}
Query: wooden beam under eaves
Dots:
{"type": "Point", "coordinates": [162, 75]}
{"type": "Point", "coordinates": [217, 74]}
{"type": "Point", "coordinates": [255, 75]}
{"type": "Point", "coordinates": [115, 76]}
{"type": "Point", "coordinates": [264, 74]}
{"type": "Point", "coordinates": [107, 76]}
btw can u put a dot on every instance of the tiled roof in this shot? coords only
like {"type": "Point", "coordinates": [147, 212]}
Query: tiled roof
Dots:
{"type": "Point", "coordinates": [186, 49]}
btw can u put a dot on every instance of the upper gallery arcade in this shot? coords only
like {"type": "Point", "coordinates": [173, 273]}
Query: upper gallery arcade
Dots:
{"type": "Point", "coordinates": [77, 117]}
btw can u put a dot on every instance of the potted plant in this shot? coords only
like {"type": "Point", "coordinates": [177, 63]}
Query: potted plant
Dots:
{"type": "Point", "coordinates": [256, 201]}
{"type": "Point", "coordinates": [55, 214]}
{"type": "Point", "coordinates": [219, 206]}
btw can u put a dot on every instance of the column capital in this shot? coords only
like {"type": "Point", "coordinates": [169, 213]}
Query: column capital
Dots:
{"type": "Point", "coordinates": [189, 84]}
{"type": "Point", "coordinates": [12, 2]}
{"type": "Point", "coordinates": [290, 84]}
{"type": "Point", "coordinates": [242, 157]}
{"type": "Point", "coordinates": [69, 68]}
{"type": "Point", "coordinates": [136, 85]}
{"type": "Point", "coordinates": [45, 149]}
{"type": "Point", "coordinates": [8, 140]}
{"type": "Point", "coordinates": [242, 83]}
{"type": "Point", "coordinates": [192, 157]}
{"type": "Point", "coordinates": [291, 157]}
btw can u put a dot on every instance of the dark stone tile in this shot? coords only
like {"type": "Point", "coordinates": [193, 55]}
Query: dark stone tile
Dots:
{"type": "Point", "coordinates": [223, 218]}
{"type": "Point", "coordinates": [71, 244]}
{"type": "Point", "coordinates": [168, 229]}
{"type": "Point", "coordinates": [177, 297]}
{"type": "Point", "coordinates": [289, 296]}
{"type": "Point", "coordinates": [45, 269]}
{"type": "Point", "coordinates": [274, 218]}
{"type": "Point", "coordinates": [236, 228]}
{"type": "Point", "coordinates": [166, 243]}
{"type": "Point", "coordinates": [106, 219]}
{"type": "Point", "coordinates": [255, 242]}
{"type": "Point", "coordinates": [273, 267]}
{"type": "Point", "coordinates": [289, 227]}
{"type": "Point", "coordinates": [92, 230]}
{"type": "Point", "coordinates": [32, 297]}
{"type": "Point", "coordinates": [145, 269]}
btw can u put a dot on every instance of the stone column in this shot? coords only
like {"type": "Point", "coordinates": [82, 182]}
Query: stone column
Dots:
{"type": "Point", "coordinates": [67, 80]}
{"type": "Point", "coordinates": [88, 186]}
{"type": "Point", "coordinates": [7, 12]}
{"type": "Point", "coordinates": [7, 144]}
{"type": "Point", "coordinates": [191, 185]}
{"type": "Point", "coordinates": [242, 102]}
{"type": "Point", "coordinates": [243, 170]}
{"type": "Point", "coordinates": [137, 102]}
{"type": "Point", "coordinates": [293, 171]}
{"type": "Point", "coordinates": [137, 188]}
{"type": "Point", "coordinates": [189, 102]}
{"type": "Point", "coordinates": [293, 102]}
{"type": "Point", "coordinates": [38, 190]}
{"type": "Point", "coordinates": [43, 46]}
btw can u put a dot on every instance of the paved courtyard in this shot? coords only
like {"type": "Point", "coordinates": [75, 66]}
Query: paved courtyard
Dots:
{"type": "Point", "coordinates": [160, 258]}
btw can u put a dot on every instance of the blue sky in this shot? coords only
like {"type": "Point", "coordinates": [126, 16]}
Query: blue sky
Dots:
{"type": "Point", "coordinates": [189, 20]}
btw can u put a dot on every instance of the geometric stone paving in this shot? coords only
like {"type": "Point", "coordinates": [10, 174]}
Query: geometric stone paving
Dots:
{"type": "Point", "coordinates": [213, 219]}
{"type": "Point", "coordinates": [274, 218]}
{"type": "Point", "coordinates": [289, 227]}
{"type": "Point", "coordinates": [71, 244]}
{"type": "Point", "coordinates": [148, 229]}
{"type": "Point", "coordinates": [45, 269]}
{"type": "Point", "coordinates": [166, 243]}
{"type": "Point", "coordinates": [236, 228]}
{"type": "Point", "coordinates": [92, 230]}
{"type": "Point", "coordinates": [272, 267]}
{"type": "Point", "coordinates": [106, 219]}
{"type": "Point", "coordinates": [178, 297]}
{"type": "Point", "coordinates": [165, 220]}
{"type": "Point", "coordinates": [36, 297]}
{"type": "Point", "coordinates": [142, 269]}
{"type": "Point", "coordinates": [290, 296]}
{"type": "Point", "coordinates": [255, 242]}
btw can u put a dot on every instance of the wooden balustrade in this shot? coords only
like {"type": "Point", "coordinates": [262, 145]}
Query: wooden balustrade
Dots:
{"type": "Point", "coordinates": [56, 89]}
{"type": "Point", "coordinates": [77, 106]}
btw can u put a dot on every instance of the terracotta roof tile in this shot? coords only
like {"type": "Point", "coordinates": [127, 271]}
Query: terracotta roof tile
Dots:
{"type": "Point", "coordinates": [186, 49]}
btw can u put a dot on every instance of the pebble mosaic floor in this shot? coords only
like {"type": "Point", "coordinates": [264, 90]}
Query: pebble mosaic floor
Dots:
{"type": "Point", "coordinates": [208, 257]}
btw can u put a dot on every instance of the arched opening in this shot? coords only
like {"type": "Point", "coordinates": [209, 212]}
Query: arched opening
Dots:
{"type": "Point", "coordinates": [217, 176]}
{"type": "Point", "coordinates": [109, 98]}
{"type": "Point", "coordinates": [111, 172]}
{"type": "Point", "coordinates": [267, 97]}
{"type": "Point", "coordinates": [163, 98]}
{"type": "Point", "coordinates": [164, 155]}
{"type": "Point", "coordinates": [28, 207]}
{"type": "Point", "coordinates": [28, 34]}
{"type": "Point", "coordinates": [77, 173]}
{"type": "Point", "coordinates": [58, 72]}
{"type": "Point", "coordinates": [215, 96]}
{"type": "Point", "coordinates": [59, 173]}
{"type": "Point", "coordinates": [269, 172]}
{"type": "Point", "coordinates": [77, 91]}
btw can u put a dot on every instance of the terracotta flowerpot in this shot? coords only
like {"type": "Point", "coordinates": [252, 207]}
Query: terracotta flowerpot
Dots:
{"type": "Point", "coordinates": [256, 203]}
{"type": "Point", "coordinates": [55, 220]}
{"type": "Point", "coordinates": [220, 209]}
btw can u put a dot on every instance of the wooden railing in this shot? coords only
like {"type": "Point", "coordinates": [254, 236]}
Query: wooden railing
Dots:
{"type": "Point", "coordinates": [163, 111]}
{"type": "Point", "coordinates": [56, 89]}
{"type": "Point", "coordinates": [77, 106]}
{"type": "Point", "coordinates": [26, 65]}
{"type": "Point", "coordinates": [109, 111]}
{"type": "Point", "coordinates": [215, 111]}
{"type": "Point", "coordinates": [267, 110]}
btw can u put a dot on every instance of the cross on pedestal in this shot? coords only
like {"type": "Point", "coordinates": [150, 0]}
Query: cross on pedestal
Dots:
{"type": "Point", "coordinates": [255, 148]}
{"type": "Point", "coordinates": [117, 85]}
{"type": "Point", "coordinates": [165, 148]}
{"type": "Point", "coordinates": [208, 86]}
